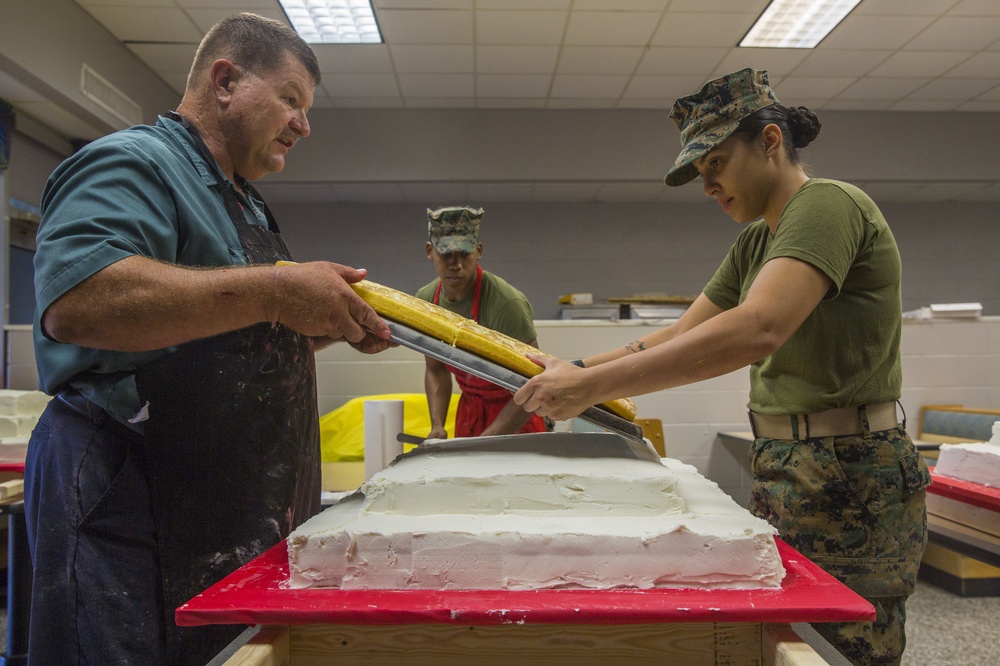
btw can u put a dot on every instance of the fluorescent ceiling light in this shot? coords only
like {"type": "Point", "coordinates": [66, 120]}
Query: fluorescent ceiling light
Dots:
{"type": "Point", "coordinates": [333, 21]}
{"type": "Point", "coordinates": [797, 24]}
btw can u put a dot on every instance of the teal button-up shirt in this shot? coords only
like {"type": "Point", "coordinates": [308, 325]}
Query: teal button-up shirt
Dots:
{"type": "Point", "coordinates": [142, 191]}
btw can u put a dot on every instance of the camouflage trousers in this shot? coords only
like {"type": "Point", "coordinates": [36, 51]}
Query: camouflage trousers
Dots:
{"type": "Point", "coordinates": [854, 505]}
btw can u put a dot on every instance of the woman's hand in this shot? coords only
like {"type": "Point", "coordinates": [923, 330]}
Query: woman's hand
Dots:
{"type": "Point", "coordinates": [560, 392]}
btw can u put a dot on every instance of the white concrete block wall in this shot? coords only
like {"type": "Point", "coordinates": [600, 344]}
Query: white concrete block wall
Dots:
{"type": "Point", "coordinates": [956, 362]}
{"type": "Point", "coordinates": [944, 362]}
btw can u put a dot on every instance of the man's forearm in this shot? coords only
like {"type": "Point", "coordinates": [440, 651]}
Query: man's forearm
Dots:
{"type": "Point", "coordinates": [139, 304]}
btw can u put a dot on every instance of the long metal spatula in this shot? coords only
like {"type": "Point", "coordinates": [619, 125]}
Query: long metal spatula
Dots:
{"type": "Point", "coordinates": [563, 444]}
{"type": "Point", "coordinates": [508, 379]}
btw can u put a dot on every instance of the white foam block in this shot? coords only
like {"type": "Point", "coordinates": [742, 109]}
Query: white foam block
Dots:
{"type": "Point", "coordinates": [976, 462]}
{"type": "Point", "coordinates": [22, 403]}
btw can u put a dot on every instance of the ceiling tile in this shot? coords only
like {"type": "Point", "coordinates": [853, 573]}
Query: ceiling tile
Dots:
{"type": "Point", "coordinates": [437, 59]}
{"type": "Point", "coordinates": [362, 85]}
{"type": "Point", "coordinates": [887, 32]}
{"type": "Point", "coordinates": [664, 87]}
{"type": "Point", "coordinates": [778, 62]}
{"type": "Point", "coordinates": [541, 27]}
{"type": "Point", "coordinates": [510, 102]}
{"type": "Point", "coordinates": [353, 58]}
{"type": "Point", "coordinates": [755, 7]}
{"type": "Point", "coordinates": [599, 59]}
{"type": "Point", "coordinates": [617, 28]}
{"type": "Point", "coordinates": [975, 8]}
{"type": "Point", "coordinates": [680, 61]}
{"type": "Point", "coordinates": [793, 88]}
{"type": "Point", "coordinates": [981, 65]}
{"type": "Point", "coordinates": [403, 26]}
{"type": "Point", "coordinates": [918, 64]}
{"type": "Point", "coordinates": [859, 62]}
{"type": "Point", "coordinates": [368, 102]}
{"type": "Point", "coordinates": [843, 104]}
{"type": "Point", "coordinates": [507, 85]}
{"type": "Point", "coordinates": [692, 29]}
{"type": "Point", "coordinates": [870, 88]}
{"type": "Point", "coordinates": [437, 85]}
{"type": "Point", "coordinates": [899, 7]}
{"type": "Point", "coordinates": [516, 59]}
{"type": "Point", "coordinates": [538, 5]}
{"type": "Point", "coordinates": [973, 33]}
{"type": "Point", "coordinates": [621, 5]}
{"type": "Point", "coordinates": [422, 4]}
{"type": "Point", "coordinates": [629, 102]}
{"type": "Point", "coordinates": [573, 85]}
{"type": "Point", "coordinates": [163, 58]}
{"type": "Point", "coordinates": [205, 18]}
{"type": "Point", "coordinates": [952, 89]}
{"type": "Point", "coordinates": [231, 5]}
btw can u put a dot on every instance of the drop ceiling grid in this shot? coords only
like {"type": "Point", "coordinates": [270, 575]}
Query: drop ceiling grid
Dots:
{"type": "Point", "coordinates": [472, 52]}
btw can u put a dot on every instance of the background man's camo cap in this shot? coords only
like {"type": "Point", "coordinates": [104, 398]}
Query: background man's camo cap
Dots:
{"type": "Point", "coordinates": [708, 117]}
{"type": "Point", "coordinates": [454, 229]}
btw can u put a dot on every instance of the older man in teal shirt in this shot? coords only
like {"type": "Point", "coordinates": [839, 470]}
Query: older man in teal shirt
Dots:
{"type": "Point", "coordinates": [183, 439]}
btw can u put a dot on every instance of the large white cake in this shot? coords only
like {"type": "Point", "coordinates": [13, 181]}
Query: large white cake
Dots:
{"type": "Point", "coordinates": [499, 520]}
{"type": "Point", "coordinates": [19, 412]}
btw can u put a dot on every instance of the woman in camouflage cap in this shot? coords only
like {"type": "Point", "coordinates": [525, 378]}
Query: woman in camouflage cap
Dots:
{"type": "Point", "coordinates": [809, 298]}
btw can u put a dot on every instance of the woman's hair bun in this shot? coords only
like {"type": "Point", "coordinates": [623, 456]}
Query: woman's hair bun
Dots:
{"type": "Point", "coordinates": [804, 126]}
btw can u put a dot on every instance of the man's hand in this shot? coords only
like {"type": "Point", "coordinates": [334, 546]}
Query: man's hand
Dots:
{"type": "Point", "coordinates": [316, 299]}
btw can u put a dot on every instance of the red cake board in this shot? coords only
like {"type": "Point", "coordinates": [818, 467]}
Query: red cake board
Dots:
{"type": "Point", "coordinates": [257, 593]}
{"type": "Point", "coordinates": [976, 494]}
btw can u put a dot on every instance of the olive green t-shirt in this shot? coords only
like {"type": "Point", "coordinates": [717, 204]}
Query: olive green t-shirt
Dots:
{"type": "Point", "coordinates": [502, 307]}
{"type": "Point", "coordinates": [846, 352]}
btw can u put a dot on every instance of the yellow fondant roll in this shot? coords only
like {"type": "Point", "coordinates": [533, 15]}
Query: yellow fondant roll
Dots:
{"type": "Point", "coordinates": [463, 333]}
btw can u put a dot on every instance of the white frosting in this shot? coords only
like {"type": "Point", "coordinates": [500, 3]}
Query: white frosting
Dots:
{"type": "Point", "coordinates": [519, 521]}
{"type": "Point", "coordinates": [976, 462]}
{"type": "Point", "coordinates": [492, 484]}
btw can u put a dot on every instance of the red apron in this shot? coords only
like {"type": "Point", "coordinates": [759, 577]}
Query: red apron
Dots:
{"type": "Point", "coordinates": [481, 400]}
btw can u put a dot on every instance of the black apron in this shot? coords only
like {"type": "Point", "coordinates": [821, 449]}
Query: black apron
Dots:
{"type": "Point", "coordinates": [232, 447]}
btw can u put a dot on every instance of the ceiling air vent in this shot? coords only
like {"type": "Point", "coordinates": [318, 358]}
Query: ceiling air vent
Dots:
{"type": "Point", "coordinates": [98, 90]}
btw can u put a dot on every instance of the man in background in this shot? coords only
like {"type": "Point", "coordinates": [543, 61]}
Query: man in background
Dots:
{"type": "Point", "coordinates": [463, 287]}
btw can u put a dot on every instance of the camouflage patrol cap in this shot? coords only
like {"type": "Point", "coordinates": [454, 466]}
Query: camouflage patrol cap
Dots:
{"type": "Point", "coordinates": [708, 117]}
{"type": "Point", "coordinates": [454, 229]}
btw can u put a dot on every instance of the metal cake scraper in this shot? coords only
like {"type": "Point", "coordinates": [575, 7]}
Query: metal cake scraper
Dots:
{"type": "Point", "coordinates": [630, 433]}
